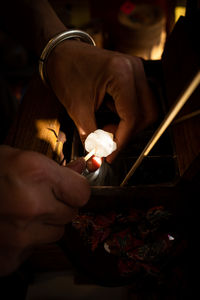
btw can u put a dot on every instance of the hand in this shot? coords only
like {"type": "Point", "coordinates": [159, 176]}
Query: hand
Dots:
{"type": "Point", "coordinates": [38, 197]}
{"type": "Point", "coordinates": [81, 74]}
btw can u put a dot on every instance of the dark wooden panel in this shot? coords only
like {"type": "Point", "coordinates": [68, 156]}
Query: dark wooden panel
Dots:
{"type": "Point", "coordinates": [36, 126]}
{"type": "Point", "coordinates": [181, 61]}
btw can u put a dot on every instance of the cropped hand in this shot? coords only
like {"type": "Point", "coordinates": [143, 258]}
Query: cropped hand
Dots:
{"type": "Point", "coordinates": [38, 197]}
{"type": "Point", "coordinates": [81, 75]}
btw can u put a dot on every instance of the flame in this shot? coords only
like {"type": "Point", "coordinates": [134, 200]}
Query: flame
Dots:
{"type": "Point", "coordinates": [97, 161]}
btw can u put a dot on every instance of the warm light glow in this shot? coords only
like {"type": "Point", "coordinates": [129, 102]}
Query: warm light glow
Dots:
{"type": "Point", "coordinates": [89, 155]}
{"type": "Point", "coordinates": [102, 142]}
{"type": "Point", "coordinates": [82, 132]}
{"type": "Point", "coordinates": [157, 50]}
{"type": "Point", "coordinates": [47, 130]}
{"type": "Point", "coordinates": [170, 237]}
{"type": "Point", "coordinates": [97, 160]}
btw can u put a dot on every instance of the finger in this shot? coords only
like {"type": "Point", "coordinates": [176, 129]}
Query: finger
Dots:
{"type": "Point", "coordinates": [85, 123]}
{"type": "Point", "coordinates": [126, 103]}
{"type": "Point", "coordinates": [50, 226]}
{"type": "Point", "coordinates": [77, 165]}
{"type": "Point", "coordinates": [122, 136]}
{"type": "Point", "coordinates": [111, 128]}
{"type": "Point", "coordinates": [43, 233]}
{"type": "Point", "coordinates": [68, 186]}
{"type": "Point", "coordinates": [38, 232]}
{"type": "Point", "coordinates": [49, 233]}
{"type": "Point", "coordinates": [59, 211]}
{"type": "Point", "coordinates": [72, 188]}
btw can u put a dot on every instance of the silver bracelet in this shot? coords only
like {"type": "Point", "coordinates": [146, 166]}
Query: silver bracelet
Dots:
{"type": "Point", "coordinates": [70, 34]}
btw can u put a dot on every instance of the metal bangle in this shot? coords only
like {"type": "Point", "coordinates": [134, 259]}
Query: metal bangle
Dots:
{"type": "Point", "coordinates": [53, 42]}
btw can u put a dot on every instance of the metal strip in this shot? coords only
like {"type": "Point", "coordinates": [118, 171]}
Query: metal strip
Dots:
{"type": "Point", "coordinates": [165, 123]}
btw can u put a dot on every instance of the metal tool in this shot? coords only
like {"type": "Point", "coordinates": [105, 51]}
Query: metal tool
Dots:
{"type": "Point", "coordinates": [165, 123]}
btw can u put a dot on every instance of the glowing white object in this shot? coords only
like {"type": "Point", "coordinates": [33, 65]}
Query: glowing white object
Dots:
{"type": "Point", "coordinates": [102, 143]}
{"type": "Point", "coordinates": [170, 237]}
{"type": "Point", "coordinates": [106, 247]}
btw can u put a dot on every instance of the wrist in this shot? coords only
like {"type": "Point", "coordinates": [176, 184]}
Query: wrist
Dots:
{"type": "Point", "coordinates": [54, 42]}
{"type": "Point", "coordinates": [46, 23]}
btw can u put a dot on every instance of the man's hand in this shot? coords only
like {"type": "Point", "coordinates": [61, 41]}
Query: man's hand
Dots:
{"type": "Point", "coordinates": [81, 75]}
{"type": "Point", "coordinates": [38, 197]}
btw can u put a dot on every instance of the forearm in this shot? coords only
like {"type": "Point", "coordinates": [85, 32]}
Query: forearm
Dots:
{"type": "Point", "coordinates": [33, 22]}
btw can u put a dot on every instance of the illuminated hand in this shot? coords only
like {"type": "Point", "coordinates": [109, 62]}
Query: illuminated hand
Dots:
{"type": "Point", "coordinates": [81, 75]}
{"type": "Point", "coordinates": [38, 197]}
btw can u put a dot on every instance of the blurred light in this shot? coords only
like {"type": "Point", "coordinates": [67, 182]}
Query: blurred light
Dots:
{"type": "Point", "coordinates": [97, 161]}
{"type": "Point", "coordinates": [179, 11]}
{"type": "Point", "coordinates": [101, 141]}
{"type": "Point", "coordinates": [127, 7]}
{"type": "Point", "coordinates": [170, 237]}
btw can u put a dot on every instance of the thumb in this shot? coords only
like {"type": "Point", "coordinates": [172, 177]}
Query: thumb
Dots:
{"type": "Point", "coordinates": [85, 124]}
{"type": "Point", "coordinates": [70, 187]}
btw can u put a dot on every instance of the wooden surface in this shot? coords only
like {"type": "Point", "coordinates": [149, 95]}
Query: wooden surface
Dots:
{"type": "Point", "coordinates": [37, 124]}
{"type": "Point", "coordinates": [37, 128]}
{"type": "Point", "coordinates": [181, 61]}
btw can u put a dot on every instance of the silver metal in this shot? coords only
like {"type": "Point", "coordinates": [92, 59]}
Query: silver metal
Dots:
{"type": "Point", "coordinates": [70, 34]}
{"type": "Point", "coordinates": [165, 123]}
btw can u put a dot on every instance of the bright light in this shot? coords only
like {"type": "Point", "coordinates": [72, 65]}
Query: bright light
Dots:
{"type": "Point", "coordinates": [170, 237]}
{"type": "Point", "coordinates": [179, 11]}
{"type": "Point", "coordinates": [97, 160]}
{"type": "Point", "coordinates": [101, 141]}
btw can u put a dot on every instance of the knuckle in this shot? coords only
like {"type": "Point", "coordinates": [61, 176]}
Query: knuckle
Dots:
{"type": "Point", "coordinates": [122, 65]}
{"type": "Point", "coordinates": [31, 165]}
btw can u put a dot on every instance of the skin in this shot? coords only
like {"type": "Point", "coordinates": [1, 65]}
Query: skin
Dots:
{"type": "Point", "coordinates": [38, 197]}
{"type": "Point", "coordinates": [91, 74]}
{"type": "Point", "coordinates": [80, 74]}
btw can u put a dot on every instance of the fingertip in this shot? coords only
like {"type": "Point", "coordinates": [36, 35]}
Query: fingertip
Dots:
{"type": "Point", "coordinates": [87, 126]}
{"type": "Point", "coordinates": [73, 189]}
{"type": "Point", "coordinates": [77, 165]}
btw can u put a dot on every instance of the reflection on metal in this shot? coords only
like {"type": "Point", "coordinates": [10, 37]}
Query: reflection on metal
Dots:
{"type": "Point", "coordinates": [166, 122]}
{"type": "Point", "coordinates": [187, 117]}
